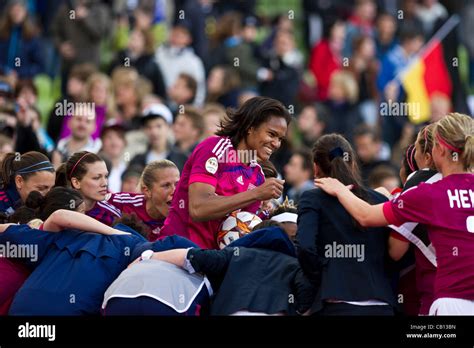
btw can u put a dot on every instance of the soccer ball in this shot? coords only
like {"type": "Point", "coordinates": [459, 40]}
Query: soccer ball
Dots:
{"type": "Point", "coordinates": [236, 225]}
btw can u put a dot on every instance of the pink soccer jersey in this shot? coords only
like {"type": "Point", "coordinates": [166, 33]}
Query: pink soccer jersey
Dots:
{"type": "Point", "coordinates": [213, 162]}
{"type": "Point", "coordinates": [135, 203]}
{"type": "Point", "coordinates": [104, 212]}
{"type": "Point", "coordinates": [446, 207]}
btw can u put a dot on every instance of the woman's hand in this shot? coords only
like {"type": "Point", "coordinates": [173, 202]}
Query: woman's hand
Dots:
{"type": "Point", "coordinates": [331, 186]}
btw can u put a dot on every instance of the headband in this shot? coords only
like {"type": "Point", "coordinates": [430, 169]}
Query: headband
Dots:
{"type": "Point", "coordinates": [30, 169]}
{"type": "Point", "coordinates": [445, 143]}
{"type": "Point", "coordinates": [75, 165]}
{"type": "Point", "coordinates": [410, 151]}
{"type": "Point", "coordinates": [285, 217]}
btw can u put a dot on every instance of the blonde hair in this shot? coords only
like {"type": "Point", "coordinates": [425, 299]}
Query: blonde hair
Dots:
{"type": "Point", "coordinates": [348, 83]}
{"type": "Point", "coordinates": [148, 177]}
{"type": "Point", "coordinates": [426, 138]}
{"type": "Point", "coordinates": [457, 130]}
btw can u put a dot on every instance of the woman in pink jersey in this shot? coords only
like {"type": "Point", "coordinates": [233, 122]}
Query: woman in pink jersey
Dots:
{"type": "Point", "coordinates": [446, 207]}
{"type": "Point", "coordinates": [401, 237]}
{"type": "Point", "coordinates": [86, 172]}
{"type": "Point", "coordinates": [157, 184]}
{"type": "Point", "coordinates": [223, 175]}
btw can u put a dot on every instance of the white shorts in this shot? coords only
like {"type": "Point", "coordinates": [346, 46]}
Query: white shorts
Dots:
{"type": "Point", "coordinates": [452, 306]}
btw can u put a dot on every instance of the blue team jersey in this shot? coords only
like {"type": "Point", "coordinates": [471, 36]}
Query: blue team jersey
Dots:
{"type": "Point", "coordinates": [72, 269]}
{"type": "Point", "coordinates": [9, 200]}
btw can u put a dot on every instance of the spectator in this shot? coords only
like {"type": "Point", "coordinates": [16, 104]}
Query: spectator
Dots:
{"type": "Point", "coordinates": [129, 91]}
{"type": "Point", "coordinates": [75, 91]}
{"type": "Point", "coordinates": [188, 130]}
{"type": "Point", "coordinates": [113, 147]}
{"type": "Point", "coordinates": [364, 67]}
{"type": "Point", "coordinates": [82, 127]}
{"type": "Point", "coordinates": [183, 91]}
{"type": "Point", "coordinates": [98, 91]}
{"type": "Point", "coordinates": [385, 38]}
{"type": "Point", "coordinates": [368, 146]}
{"type": "Point", "coordinates": [223, 86]}
{"type": "Point", "coordinates": [213, 115]}
{"type": "Point", "coordinates": [20, 49]}
{"type": "Point", "coordinates": [139, 54]}
{"type": "Point", "coordinates": [312, 122]}
{"type": "Point", "coordinates": [410, 19]}
{"type": "Point", "coordinates": [429, 12]}
{"type": "Point", "coordinates": [131, 179]}
{"type": "Point", "coordinates": [78, 29]}
{"type": "Point", "coordinates": [285, 63]}
{"type": "Point", "coordinates": [156, 121]}
{"type": "Point", "coordinates": [230, 48]}
{"type": "Point", "coordinates": [30, 134]}
{"type": "Point", "coordinates": [344, 114]}
{"type": "Point", "coordinates": [361, 22]}
{"type": "Point", "coordinates": [27, 92]}
{"type": "Point", "coordinates": [176, 57]}
{"type": "Point", "coordinates": [299, 174]}
{"type": "Point", "coordinates": [384, 176]}
{"type": "Point", "coordinates": [388, 80]}
{"type": "Point", "coordinates": [326, 57]}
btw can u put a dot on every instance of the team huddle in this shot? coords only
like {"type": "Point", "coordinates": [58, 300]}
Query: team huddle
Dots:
{"type": "Point", "coordinates": [219, 239]}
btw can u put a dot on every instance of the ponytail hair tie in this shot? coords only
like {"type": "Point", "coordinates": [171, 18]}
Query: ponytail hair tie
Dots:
{"type": "Point", "coordinates": [336, 152]}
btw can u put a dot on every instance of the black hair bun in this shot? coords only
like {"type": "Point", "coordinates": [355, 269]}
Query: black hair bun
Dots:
{"type": "Point", "coordinates": [34, 200]}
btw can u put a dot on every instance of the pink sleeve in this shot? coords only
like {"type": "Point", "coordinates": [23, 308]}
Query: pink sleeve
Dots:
{"type": "Point", "coordinates": [205, 163]}
{"type": "Point", "coordinates": [413, 205]}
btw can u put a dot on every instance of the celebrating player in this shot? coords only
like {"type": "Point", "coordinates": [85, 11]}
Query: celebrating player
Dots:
{"type": "Point", "coordinates": [87, 173]}
{"type": "Point", "coordinates": [157, 183]}
{"type": "Point", "coordinates": [222, 174]}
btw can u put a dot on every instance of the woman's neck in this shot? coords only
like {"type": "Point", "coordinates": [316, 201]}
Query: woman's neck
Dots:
{"type": "Point", "coordinates": [449, 169]}
{"type": "Point", "coordinates": [152, 211]}
{"type": "Point", "coordinates": [89, 203]}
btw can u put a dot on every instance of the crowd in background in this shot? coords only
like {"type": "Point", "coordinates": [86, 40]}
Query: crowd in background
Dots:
{"type": "Point", "coordinates": [330, 63]}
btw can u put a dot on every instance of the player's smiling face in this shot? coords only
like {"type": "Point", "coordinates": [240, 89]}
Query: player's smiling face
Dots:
{"type": "Point", "coordinates": [267, 137]}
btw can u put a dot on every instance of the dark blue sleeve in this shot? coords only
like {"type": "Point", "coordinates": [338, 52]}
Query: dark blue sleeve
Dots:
{"type": "Point", "coordinates": [307, 236]}
{"type": "Point", "coordinates": [33, 243]}
{"type": "Point", "coordinates": [168, 243]}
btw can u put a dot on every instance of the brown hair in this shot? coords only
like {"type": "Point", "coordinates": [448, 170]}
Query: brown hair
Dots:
{"type": "Point", "coordinates": [75, 167]}
{"type": "Point", "coordinates": [148, 177]}
{"type": "Point", "coordinates": [307, 158]}
{"type": "Point", "coordinates": [252, 113]}
{"type": "Point", "coordinates": [41, 207]}
{"type": "Point", "coordinates": [25, 165]}
{"type": "Point", "coordinates": [28, 28]}
{"type": "Point", "coordinates": [336, 158]}
{"type": "Point", "coordinates": [230, 81]}
{"type": "Point", "coordinates": [191, 84]}
{"type": "Point", "coordinates": [228, 25]}
{"type": "Point", "coordinates": [379, 174]}
{"type": "Point", "coordinates": [196, 118]}
{"type": "Point", "coordinates": [457, 130]}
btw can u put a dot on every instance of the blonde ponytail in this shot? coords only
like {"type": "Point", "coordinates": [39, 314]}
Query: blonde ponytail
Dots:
{"type": "Point", "coordinates": [457, 132]}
